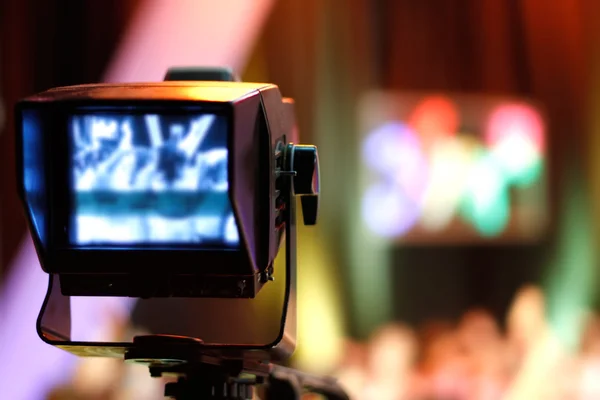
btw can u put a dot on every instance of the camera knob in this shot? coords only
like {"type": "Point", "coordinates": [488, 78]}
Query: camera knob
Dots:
{"type": "Point", "coordinates": [306, 181]}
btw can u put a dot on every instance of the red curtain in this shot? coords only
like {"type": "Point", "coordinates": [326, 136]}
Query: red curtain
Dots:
{"type": "Point", "coordinates": [533, 48]}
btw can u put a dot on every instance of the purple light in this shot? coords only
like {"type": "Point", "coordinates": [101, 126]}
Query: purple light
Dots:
{"type": "Point", "coordinates": [30, 368]}
{"type": "Point", "coordinates": [394, 151]}
{"type": "Point", "coordinates": [387, 211]}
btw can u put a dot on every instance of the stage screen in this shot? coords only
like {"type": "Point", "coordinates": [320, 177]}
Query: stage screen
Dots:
{"type": "Point", "coordinates": [448, 168]}
{"type": "Point", "coordinates": [140, 179]}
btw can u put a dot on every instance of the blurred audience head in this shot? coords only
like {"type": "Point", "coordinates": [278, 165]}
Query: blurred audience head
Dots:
{"type": "Point", "coordinates": [391, 352]}
{"type": "Point", "coordinates": [526, 318]}
{"type": "Point", "coordinates": [590, 341]}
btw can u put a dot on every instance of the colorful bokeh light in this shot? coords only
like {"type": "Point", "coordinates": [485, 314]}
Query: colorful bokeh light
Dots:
{"type": "Point", "coordinates": [394, 150]}
{"type": "Point", "coordinates": [515, 118]}
{"type": "Point", "coordinates": [486, 202]}
{"type": "Point", "coordinates": [441, 168]}
{"type": "Point", "coordinates": [515, 135]}
{"type": "Point", "coordinates": [388, 211]}
{"type": "Point", "coordinates": [451, 162]}
{"type": "Point", "coordinates": [434, 118]}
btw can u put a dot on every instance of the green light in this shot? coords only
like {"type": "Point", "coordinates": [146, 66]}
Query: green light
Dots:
{"type": "Point", "coordinates": [519, 158]}
{"type": "Point", "coordinates": [486, 203]}
{"type": "Point", "coordinates": [529, 175]}
{"type": "Point", "coordinates": [572, 273]}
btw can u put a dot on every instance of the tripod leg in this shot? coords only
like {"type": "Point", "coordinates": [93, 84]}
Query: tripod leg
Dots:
{"type": "Point", "coordinates": [282, 389]}
{"type": "Point", "coordinates": [287, 383]}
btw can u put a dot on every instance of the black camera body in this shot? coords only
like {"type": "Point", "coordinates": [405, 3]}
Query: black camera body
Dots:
{"type": "Point", "coordinates": [180, 194]}
{"type": "Point", "coordinates": [254, 123]}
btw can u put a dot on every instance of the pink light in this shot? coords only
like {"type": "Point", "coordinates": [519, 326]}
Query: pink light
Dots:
{"type": "Point", "coordinates": [515, 135]}
{"type": "Point", "coordinates": [518, 120]}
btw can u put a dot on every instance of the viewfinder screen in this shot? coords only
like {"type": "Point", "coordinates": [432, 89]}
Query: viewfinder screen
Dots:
{"type": "Point", "coordinates": [147, 179]}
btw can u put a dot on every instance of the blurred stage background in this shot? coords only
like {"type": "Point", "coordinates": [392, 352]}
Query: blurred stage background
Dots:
{"type": "Point", "coordinates": [460, 186]}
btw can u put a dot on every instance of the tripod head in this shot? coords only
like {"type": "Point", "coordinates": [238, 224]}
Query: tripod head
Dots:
{"type": "Point", "coordinates": [204, 376]}
{"type": "Point", "coordinates": [181, 191]}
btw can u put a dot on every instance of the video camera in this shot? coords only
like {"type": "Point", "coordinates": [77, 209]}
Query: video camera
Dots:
{"type": "Point", "coordinates": [180, 194]}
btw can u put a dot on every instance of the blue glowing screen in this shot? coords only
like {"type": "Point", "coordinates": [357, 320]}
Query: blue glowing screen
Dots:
{"type": "Point", "coordinates": [34, 179]}
{"type": "Point", "coordinates": [150, 179]}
